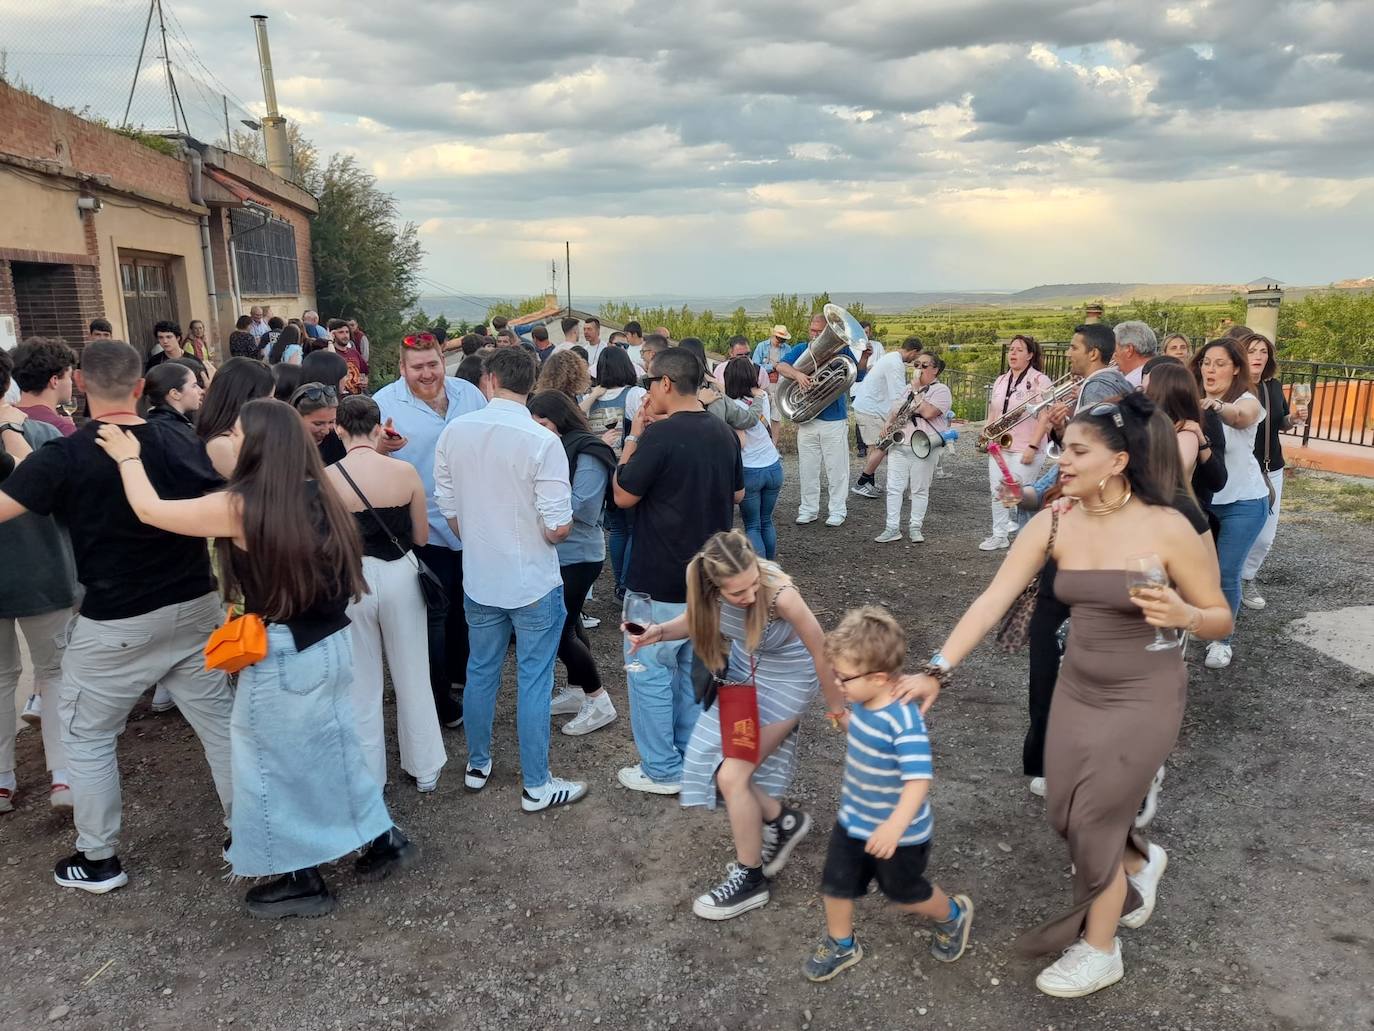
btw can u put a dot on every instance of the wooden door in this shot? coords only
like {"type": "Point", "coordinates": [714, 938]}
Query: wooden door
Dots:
{"type": "Point", "coordinates": [148, 299]}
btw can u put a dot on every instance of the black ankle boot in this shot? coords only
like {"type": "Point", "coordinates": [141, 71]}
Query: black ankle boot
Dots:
{"type": "Point", "coordinates": [386, 854]}
{"type": "Point", "coordinates": [302, 893]}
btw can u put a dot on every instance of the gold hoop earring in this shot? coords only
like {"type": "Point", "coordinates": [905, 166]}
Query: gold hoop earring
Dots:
{"type": "Point", "coordinates": [1105, 507]}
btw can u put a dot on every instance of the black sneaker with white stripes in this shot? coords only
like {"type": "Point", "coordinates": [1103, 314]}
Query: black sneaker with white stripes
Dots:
{"type": "Point", "coordinates": [741, 891]}
{"type": "Point", "coordinates": [556, 792]}
{"type": "Point", "coordinates": [94, 875]}
{"type": "Point", "coordinates": [781, 836]}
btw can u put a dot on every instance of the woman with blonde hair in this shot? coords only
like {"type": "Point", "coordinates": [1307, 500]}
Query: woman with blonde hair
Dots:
{"type": "Point", "coordinates": [1176, 345]}
{"type": "Point", "coordinates": [565, 371]}
{"type": "Point", "coordinates": [747, 621]}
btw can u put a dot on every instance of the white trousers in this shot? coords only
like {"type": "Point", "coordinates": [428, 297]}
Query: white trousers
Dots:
{"type": "Point", "coordinates": [392, 615]}
{"type": "Point", "coordinates": [1259, 551]}
{"type": "Point", "coordinates": [907, 473]}
{"type": "Point", "coordinates": [823, 444]}
{"type": "Point", "coordinates": [1002, 517]}
{"type": "Point", "coordinates": [44, 635]}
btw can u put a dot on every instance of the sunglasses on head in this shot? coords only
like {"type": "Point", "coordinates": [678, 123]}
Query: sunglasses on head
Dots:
{"type": "Point", "coordinates": [317, 392]}
{"type": "Point", "coordinates": [1107, 410]}
{"type": "Point", "coordinates": [422, 340]}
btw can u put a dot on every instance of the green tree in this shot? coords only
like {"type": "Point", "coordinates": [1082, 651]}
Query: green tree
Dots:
{"type": "Point", "coordinates": [791, 311]}
{"type": "Point", "coordinates": [366, 263]}
{"type": "Point", "coordinates": [514, 309]}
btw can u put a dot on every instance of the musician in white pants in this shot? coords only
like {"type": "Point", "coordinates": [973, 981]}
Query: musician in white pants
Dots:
{"type": "Point", "coordinates": [905, 472]}
{"type": "Point", "coordinates": [1025, 455]}
{"type": "Point", "coordinates": [821, 441]}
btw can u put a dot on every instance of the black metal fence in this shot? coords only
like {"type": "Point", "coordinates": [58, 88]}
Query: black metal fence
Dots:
{"type": "Point", "coordinates": [1341, 396]}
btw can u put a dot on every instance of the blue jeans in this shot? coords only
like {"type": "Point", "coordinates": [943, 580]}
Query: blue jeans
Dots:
{"type": "Point", "coordinates": [538, 627]}
{"type": "Point", "coordinates": [761, 487]}
{"type": "Point", "coordinates": [663, 707]}
{"type": "Point", "coordinates": [1241, 523]}
{"type": "Point", "coordinates": [618, 524]}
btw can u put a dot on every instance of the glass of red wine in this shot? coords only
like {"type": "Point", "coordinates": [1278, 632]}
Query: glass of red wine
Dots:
{"type": "Point", "coordinates": [637, 614]}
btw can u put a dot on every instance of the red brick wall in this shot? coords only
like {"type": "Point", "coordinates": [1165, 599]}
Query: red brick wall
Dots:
{"type": "Point", "coordinates": [32, 128]}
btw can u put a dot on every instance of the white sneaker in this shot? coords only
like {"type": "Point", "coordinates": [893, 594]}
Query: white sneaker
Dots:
{"type": "Point", "coordinates": [427, 785]}
{"type": "Point", "coordinates": [475, 777]}
{"type": "Point", "coordinates": [596, 712]}
{"type": "Point", "coordinates": [1151, 803]}
{"type": "Point", "coordinates": [803, 519]}
{"type": "Point", "coordinates": [1146, 882]}
{"type": "Point", "coordinates": [162, 700]}
{"type": "Point", "coordinates": [568, 702]}
{"type": "Point", "coordinates": [888, 536]}
{"type": "Point", "coordinates": [915, 535]}
{"type": "Point", "coordinates": [1218, 655]}
{"type": "Point", "coordinates": [1081, 971]}
{"type": "Point", "coordinates": [555, 793]}
{"type": "Point", "coordinates": [994, 543]}
{"type": "Point", "coordinates": [33, 711]}
{"type": "Point", "coordinates": [835, 521]}
{"type": "Point", "coordinates": [1037, 787]}
{"type": "Point", "coordinates": [634, 778]}
{"type": "Point", "coordinates": [1250, 596]}
{"type": "Point", "coordinates": [589, 622]}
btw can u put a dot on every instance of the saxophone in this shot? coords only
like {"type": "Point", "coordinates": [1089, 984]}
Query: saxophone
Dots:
{"type": "Point", "coordinates": [896, 434]}
{"type": "Point", "coordinates": [999, 430]}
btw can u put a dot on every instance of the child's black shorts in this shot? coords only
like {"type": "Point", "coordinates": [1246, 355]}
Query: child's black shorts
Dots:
{"type": "Point", "coordinates": [849, 870]}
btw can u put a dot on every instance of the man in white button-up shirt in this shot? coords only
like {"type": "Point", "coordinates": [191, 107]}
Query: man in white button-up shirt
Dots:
{"type": "Point", "coordinates": [501, 481]}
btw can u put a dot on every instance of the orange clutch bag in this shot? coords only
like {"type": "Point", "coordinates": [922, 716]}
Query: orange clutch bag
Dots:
{"type": "Point", "coordinates": [238, 643]}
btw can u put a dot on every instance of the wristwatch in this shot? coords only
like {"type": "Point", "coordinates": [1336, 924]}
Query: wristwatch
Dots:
{"type": "Point", "coordinates": [939, 667]}
{"type": "Point", "coordinates": [631, 438]}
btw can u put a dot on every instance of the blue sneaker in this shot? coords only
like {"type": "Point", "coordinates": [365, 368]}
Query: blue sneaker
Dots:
{"type": "Point", "coordinates": [951, 939]}
{"type": "Point", "coordinates": [830, 958]}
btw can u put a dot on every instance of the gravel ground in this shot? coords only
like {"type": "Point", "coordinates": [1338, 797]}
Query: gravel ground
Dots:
{"type": "Point", "coordinates": [582, 918]}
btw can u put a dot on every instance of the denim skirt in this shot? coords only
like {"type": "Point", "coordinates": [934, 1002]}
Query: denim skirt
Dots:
{"type": "Point", "coordinates": [302, 792]}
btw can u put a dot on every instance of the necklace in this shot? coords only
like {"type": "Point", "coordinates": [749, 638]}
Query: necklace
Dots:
{"type": "Point", "coordinates": [1105, 507]}
{"type": "Point", "coordinates": [105, 416]}
{"type": "Point", "coordinates": [360, 447]}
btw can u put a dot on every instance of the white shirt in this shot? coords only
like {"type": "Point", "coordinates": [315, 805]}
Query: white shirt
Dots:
{"type": "Point", "coordinates": [883, 386]}
{"type": "Point", "coordinates": [1134, 376]}
{"type": "Point", "coordinates": [504, 478]}
{"type": "Point", "coordinates": [634, 397]}
{"type": "Point", "coordinates": [758, 450]}
{"type": "Point", "coordinates": [594, 355]}
{"type": "Point", "coordinates": [1245, 479]}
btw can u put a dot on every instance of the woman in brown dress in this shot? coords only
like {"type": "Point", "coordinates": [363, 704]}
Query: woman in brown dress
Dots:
{"type": "Point", "coordinates": [1117, 706]}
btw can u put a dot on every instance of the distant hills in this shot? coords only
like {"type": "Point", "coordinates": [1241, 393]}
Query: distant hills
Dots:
{"type": "Point", "coordinates": [1051, 295]}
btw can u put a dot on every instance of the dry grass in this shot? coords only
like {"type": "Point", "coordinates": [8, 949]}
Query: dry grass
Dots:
{"type": "Point", "coordinates": [1309, 493]}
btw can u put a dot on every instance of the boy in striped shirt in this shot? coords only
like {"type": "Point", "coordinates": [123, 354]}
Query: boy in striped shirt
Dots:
{"type": "Point", "coordinates": [884, 824]}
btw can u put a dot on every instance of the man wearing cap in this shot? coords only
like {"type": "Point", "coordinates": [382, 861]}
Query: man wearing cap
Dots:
{"type": "Point", "coordinates": [767, 354]}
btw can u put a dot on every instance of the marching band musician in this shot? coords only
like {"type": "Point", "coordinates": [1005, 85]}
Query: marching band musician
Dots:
{"type": "Point", "coordinates": [874, 398]}
{"type": "Point", "coordinates": [1022, 381]}
{"type": "Point", "coordinates": [905, 470]}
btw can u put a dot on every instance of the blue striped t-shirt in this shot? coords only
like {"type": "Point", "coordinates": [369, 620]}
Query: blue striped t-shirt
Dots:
{"type": "Point", "coordinates": [887, 748]}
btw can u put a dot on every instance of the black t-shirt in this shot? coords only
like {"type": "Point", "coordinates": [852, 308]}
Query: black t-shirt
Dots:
{"type": "Point", "coordinates": [1275, 415]}
{"type": "Point", "coordinates": [127, 568]}
{"type": "Point", "coordinates": [686, 471]}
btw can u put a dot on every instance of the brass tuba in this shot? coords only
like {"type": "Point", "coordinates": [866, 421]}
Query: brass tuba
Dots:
{"type": "Point", "coordinates": [832, 374]}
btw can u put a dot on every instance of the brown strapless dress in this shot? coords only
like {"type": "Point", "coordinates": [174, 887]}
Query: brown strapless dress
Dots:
{"type": "Point", "coordinates": [1114, 720]}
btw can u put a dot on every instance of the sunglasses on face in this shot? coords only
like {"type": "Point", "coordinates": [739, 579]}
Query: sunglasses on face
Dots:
{"type": "Point", "coordinates": [421, 340]}
{"type": "Point", "coordinates": [648, 381]}
{"type": "Point", "coordinates": [925, 365]}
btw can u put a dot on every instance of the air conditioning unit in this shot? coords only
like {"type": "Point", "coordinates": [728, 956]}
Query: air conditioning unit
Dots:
{"type": "Point", "coordinates": [9, 333]}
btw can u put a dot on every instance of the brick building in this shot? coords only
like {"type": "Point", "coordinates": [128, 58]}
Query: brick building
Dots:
{"type": "Point", "coordinates": [97, 224]}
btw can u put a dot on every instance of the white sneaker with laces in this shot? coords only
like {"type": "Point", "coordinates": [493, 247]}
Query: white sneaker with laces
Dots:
{"type": "Point", "coordinates": [1146, 882]}
{"type": "Point", "coordinates": [1037, 787]}
{"type": "Point", "coordinates": [915, 535]}
{"type": "Point", "coordinates": [888, 536]}
{"type": "Point", "coordinates": [1081, 970]}
{"type": "Point", "coordinates": [1250, 596]}
{"type": "Point", "coordinates": [634, 778]}
{"type": "Point", "coordinates": [589, 622]}
{"type": "Point", "coordinates": [994, 543]}
{"type": "Point", "coordinates": [1218, 655]}
{"type": "Point", "coordinates": [555, 793]}
{"type": "Point", "coordinates": [596, 712]}
{"type": "Point", "coordinates": [33, 711]}
{"type": "Point", "coordinates": [568, 702]}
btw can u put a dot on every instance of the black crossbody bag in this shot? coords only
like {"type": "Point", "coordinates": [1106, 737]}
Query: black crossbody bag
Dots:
{"type": "Point", "coordinates": [431, 587]}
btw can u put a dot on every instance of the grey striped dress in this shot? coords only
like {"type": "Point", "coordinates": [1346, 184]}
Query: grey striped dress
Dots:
{"type": "Point", "coordinates": [787, 682]}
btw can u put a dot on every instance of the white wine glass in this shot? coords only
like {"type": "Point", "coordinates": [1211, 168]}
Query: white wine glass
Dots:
{"type": "Point", "coordinates": [636, 616]}
{"type": "Point", "coordinates": [1302, 398]}
{"type": "Point", "coordinates": [1145, 573]}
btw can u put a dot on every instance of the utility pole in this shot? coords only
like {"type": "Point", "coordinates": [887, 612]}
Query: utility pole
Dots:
{"type": "Point", "coordinates": [228, 136]}
{"type": "Point", "coordinates": [167, 67]}
{"type": "Point", "coordinates": [567, 270]}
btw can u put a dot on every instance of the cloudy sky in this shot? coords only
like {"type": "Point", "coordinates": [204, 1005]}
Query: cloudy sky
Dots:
{"type": "Point", "coordinates": [711, 147]}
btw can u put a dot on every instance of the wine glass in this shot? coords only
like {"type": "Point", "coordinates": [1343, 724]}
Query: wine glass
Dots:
{"type": "Point", "coordinates": [1302, 398]}
{"type": "Point", "coordinates": [636, 615]}
{"type": "Point", "coordinates": [1143, 573]}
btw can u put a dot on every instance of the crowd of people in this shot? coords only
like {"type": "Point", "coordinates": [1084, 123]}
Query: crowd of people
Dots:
{"type": "Point", "coordinates": [420, 528]}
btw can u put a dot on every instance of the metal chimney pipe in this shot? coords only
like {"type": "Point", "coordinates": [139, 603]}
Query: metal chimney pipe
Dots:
{"type": "Point", "coordinates": [274, 140]}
